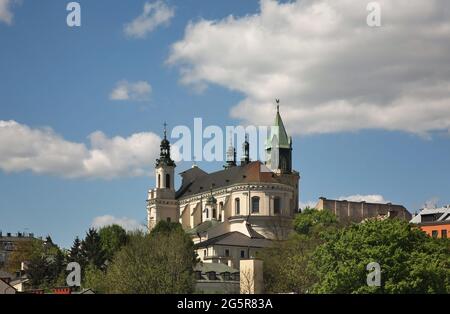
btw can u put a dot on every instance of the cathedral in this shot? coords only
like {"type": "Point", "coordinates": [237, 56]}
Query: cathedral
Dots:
{"type": "Point", "coordinates": [234, 212]}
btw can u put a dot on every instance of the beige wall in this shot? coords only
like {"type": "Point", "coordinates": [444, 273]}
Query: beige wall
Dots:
{"type": "Point", "coordinates": [266, 194]}
{"type": "Point", "coordinates": [251, 276]}
{"type": "Point", "coordinates": [358, 211]}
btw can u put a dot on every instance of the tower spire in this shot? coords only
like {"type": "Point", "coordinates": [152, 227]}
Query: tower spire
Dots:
{"type": "Point", "coordinates": [279, 145]}
{"type": "Point", "coordinates": [246, 148]}
{"type": "Point", "coordinates": [164, 155]}
{"type": "Point", "coordinates": [231, 153]}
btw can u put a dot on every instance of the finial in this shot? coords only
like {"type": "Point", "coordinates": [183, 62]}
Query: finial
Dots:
{"type": "Point", "coordinates": [278, 104]}
{"type": "Point", "coordinates": [165, 130]}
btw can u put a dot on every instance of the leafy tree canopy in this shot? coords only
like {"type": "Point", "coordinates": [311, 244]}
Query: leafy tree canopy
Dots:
{"type": "Point", "coordinates": [410, 261]}
{"type": "Point", "coordinates": [112, 238]}
{"type": "Point", "coordinates": [311, 220]}
{"type": "Point", "coordinates": [160, 262]}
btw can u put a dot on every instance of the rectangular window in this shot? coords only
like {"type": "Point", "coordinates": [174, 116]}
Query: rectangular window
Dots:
{"type": "Point", "coordinates": [205, 252]}
{"type": "Point", "coordinates": [227, 252]}
{"type": "Point", "coordinates": [443, 234]}
{"type": "Point", "coordinates": [277, 205]}
{"type": "Point", "coordinates": [434, 233]}
{"type": "Point", "coordinates": [242, 254]}
{"type": "Point", "coordinates": [198, 275]}
{"type": "Point", "coordinates": [212, 275]}
{"type": "Point", "coordinates": [255, 204]}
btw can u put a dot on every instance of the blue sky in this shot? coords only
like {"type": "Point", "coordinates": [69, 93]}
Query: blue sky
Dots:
{"type": "Point", "coordinates": [61, 78]}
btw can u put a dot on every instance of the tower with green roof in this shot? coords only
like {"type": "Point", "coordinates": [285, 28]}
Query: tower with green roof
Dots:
{"type": "Point", "coordinates": [279, 146]}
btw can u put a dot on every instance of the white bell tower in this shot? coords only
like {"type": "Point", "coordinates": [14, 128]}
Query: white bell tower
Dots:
{"type": "Point", "coordinates": [161, 202]}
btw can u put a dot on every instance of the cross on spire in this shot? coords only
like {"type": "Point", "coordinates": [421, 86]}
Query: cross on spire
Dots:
{"type": "Point", "coordinates": [165, 130]}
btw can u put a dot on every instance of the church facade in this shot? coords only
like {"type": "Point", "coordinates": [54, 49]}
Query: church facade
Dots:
{"type": "Point", "coordinates": [234, 212]}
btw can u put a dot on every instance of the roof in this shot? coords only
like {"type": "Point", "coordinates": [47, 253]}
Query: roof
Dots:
{"type": "Point", "coordinates": [253, 233]}
{"type": "Point", "coordinates": [215, 267]}
{"type": "Point", "coordinates": [283, 139]}
{"type": "Point", "coordinates": [8, 285]}
{"type": "Point", "coordinates": [4, 274]}
{"type": "Point", "coordinates": [202, 182]}
{"type": "Point", "coordinates": [234, 238]}
{"type": "Point", "coordinates": [441, 214]}
{"type": "Point", "coordinates": [203, 227]}
{"type": "Point", "coordinates": [19, 281]}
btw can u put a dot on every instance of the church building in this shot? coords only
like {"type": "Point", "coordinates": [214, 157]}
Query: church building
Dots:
{"type": "Point", "coordinates": [234, 212]}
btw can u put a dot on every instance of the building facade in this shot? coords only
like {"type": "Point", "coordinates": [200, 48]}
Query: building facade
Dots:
{"type": "Point", "coordinates": [234, 212]}
{"type": "Point", "coordinates": [434, 221]}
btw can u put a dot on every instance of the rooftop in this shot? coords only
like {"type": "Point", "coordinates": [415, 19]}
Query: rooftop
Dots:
{"type": "Point", "coordinates": [196, 181]}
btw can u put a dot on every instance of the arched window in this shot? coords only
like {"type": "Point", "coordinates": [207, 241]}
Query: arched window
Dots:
{"type": "Point", "coordinates": [237, 206]}
{"type": "Point", "coordinates": [168, 181]}
{"type": "Point", "coordinates": [220, 210]}
{"type": "Point", "coordinates": [255, 204]}
{"type": "Point", "coordinates": [207, 213]}
{"type": "Point", "coordinates": [159, 180]}
{"type": "Point", "coordinates": [277, 205]}
{"type": "Point", "coordinates": [214, 213]}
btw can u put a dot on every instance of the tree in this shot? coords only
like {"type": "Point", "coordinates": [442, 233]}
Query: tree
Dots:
{"type": "Point", "coordinates": [410, 261]}
{"type": "Point", "coordinates": [161, 262]}
{"type": "Point", "coordinates": [165, 227]}
{"type": "Point", "coordinates": [45, 261]}
{"type": "Point", "coordinates": [23, 251]}
{"type": "Point", "coordinates": [311, 220]}
{"type": "Point", "coordinates": [94, 279]}
{"type": "Point", "coordinates": [286, 263]}
{"type": "Point", "coordinates": [75, 252]}
{"type": "Point", "coordinates": [92, 250]}
{"type": "Point", "coordinates": [112, 238]}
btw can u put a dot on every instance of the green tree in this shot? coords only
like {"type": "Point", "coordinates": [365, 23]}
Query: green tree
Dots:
{"type": "Point", "coordinates": [312, 220]}
{"type": "Point", "coordinates": [112, 238]}
{"type": "Point", "coordinates": [165, 227]}
{"type": "Point", "coordinates": [161, 262]}
{"type": "Point", "coordinates": [75, 252]}
{"type": "Point", "coordinates": [95, 279]}
{"type": "Point", "coordinates": [23, 252]}
{"type": "Point", "coordinates": [92, 250]}
{"type": "Point", "coordinates": [45, 262]}
{"type": "Point", "coordinates": [286, 265]}
{"type": "Point", "coordinates": [410, 261]}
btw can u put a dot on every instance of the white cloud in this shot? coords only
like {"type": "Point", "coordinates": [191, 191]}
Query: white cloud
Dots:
{"type": "Point", "coordinates": [126, 223]}
{"type": "Point", "coordinates": [42, 151]}
{"type": "Point", "coordinates": [431, 203]}
{"type": "Point", "coordinates": [138, 91]}
{"type": "Point", "coordinates": [6, 16]}
{"type": "Point", "coordinates": [332, 72]}
{"type": "Point", "coordinates": [310, 204]}
{"type": "Point", "coordinates": [155, 14]}
{"type": "Point", "coordinates": [374, 198]}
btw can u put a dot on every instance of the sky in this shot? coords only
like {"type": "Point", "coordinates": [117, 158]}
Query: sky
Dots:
{"type": "Point", "coordinates": [82, 108]}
